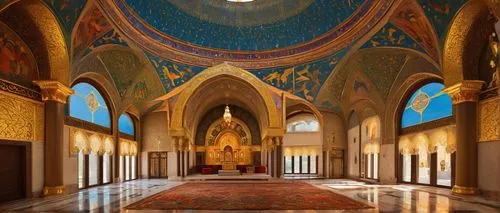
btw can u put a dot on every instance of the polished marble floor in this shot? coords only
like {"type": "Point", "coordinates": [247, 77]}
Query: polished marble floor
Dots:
{"type": "Point", "coordinates": [385, 198]}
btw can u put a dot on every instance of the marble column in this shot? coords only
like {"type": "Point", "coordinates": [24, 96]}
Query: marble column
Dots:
{"type": "Point", "coordinates": [54, 94]}
{"type": "Point", "coordinates": [279, 156]}
{"type": "Point", "coordinates": [465, 100]}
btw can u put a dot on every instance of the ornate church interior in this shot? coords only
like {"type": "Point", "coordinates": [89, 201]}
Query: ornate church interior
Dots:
{"type": "Point", "coordinates": [255, 105]}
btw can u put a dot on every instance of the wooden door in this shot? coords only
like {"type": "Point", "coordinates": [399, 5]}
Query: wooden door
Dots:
{"type": "Point", "coordinates": [157, 165]}
{"type": "Point", "coordinates": [337, 163]}
{"type": "Point", "coordinates": [12, 172]}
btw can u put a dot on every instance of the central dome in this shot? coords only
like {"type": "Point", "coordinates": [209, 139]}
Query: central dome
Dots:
{"type": "Point", "coordinates": [254, 26]}
{"type": "Point", "coordinates": [238, 13]}
{"type": "Point", "coordinates": [256, 34]}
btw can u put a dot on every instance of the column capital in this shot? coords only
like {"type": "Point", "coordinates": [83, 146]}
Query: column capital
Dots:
{"type": "Point", "coordinates": [467, 91]}
{"type": "Point", "coordinates": [54, 91]}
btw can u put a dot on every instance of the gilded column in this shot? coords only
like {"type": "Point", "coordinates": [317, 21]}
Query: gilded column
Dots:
{"type": "Point", "coordinates": [54, 94]}
{"type": "Point", "coordinates": [465, 100]}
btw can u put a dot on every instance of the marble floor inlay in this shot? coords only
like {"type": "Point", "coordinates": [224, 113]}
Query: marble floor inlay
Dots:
{"type": "Point", "coordinates": [385, 198]}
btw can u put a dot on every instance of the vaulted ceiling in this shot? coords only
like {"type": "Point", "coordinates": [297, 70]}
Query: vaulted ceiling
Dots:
{"type": "Point", "coordinates": [309, 48]}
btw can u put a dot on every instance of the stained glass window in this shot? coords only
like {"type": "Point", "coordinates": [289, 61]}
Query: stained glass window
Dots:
{"type": "Point", "coordinates": [428, 103]}
{"type": "Point", "coordinates": [125, 124]}
{"type": "Point", "coordinates": [88, 104]}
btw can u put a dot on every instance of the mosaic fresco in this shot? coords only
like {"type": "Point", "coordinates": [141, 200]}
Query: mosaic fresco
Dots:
{"type": "Point", "coordinates": [304, 27]}
{"type": "Point", "coordinates": [410, 18]}
{"type": "Point", "coordinates": [172, 74]}
{"type": "Point", "coordinates": [382, 69]}
{"type": "Point", "coordinates": [67, 11]}
{"type": "Point", "coordinates": [440, 13]}
{"type": "Point", "coordinates": [90, 27]}
{"type": "Point", "coordinates": [391, 36]}
{"type": "Point", "coordinates": [303, 80]}
{"type": "Point", "coordinates": [111, 37]}
{"type": "Point", "coordinates": [17, 63]}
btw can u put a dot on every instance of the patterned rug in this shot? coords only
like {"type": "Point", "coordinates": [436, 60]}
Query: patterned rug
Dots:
{"type": "Point", "coordinates": [247, 196]}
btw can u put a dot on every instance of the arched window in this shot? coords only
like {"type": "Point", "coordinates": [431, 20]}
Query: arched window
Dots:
{"type": "Point", "coordinates": [128, 155]}
{"type": "Point", "coordinates": [428, 103]}
{"type": "Point", "coordinates": [126, 124]}
{"type": "Point", "coordinates": [424, 151]}
{"type": "Point", "coordinates": [88, 104]}
{"type": "Point", "coordinates": [303, 123]}
{"type": "Point", "coordinates": [95, 156]}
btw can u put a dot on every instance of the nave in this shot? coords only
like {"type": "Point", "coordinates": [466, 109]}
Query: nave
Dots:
{"type": "Point", "coordinates": [384, 198]}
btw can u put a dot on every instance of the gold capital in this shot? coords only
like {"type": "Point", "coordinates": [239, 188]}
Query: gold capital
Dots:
{"type": "Point", "coordinates": [54, 91]}
{"type": "Point", "coordinates": [467, 91]}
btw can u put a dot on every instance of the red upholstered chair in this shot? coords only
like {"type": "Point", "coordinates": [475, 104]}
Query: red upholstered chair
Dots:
{"type": "Point", "coordinates": [206, 171]}
{"type": "Point", "coordinates": [260, 169]}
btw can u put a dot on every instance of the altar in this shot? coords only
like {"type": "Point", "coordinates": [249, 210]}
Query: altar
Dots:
{"type": "Point", "coordinates": [229, 166]}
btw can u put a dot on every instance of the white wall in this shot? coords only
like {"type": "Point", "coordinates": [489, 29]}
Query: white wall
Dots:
{"type": "Point", "coordinates": [154, 129]}
{"type": "Point", "coordinates": [37, 168]}
{"type": "Point", "coordinates": [70, 165]}
{"type": "Point", "coordinates": [387, 168]}
{"type": "Point", "coordinates": [489, 168]}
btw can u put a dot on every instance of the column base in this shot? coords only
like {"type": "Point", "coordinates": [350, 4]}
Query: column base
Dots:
{"type": "Point", "coordinates": [52, 190]}
{"type": "Point", "coordinates": [463, 190]}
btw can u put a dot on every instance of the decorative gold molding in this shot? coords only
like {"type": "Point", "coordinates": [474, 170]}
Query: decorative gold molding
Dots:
{"type": "Point", "coordinates": [54, 91]}
{"type": "Point", "coordinates": [467, 91]}
{"type": "Point", "coordinates": [52, 190]}
{"type": "Point", "coordinates": [489, 120]}
{"type": "Point", "coordinates": [462, 190]}
{"type": "Point", "coordinates": [21, 118]}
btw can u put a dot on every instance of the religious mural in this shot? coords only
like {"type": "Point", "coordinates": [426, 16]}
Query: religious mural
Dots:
{"type": "Point", "coordinates": [410, 18]}
{"type": "Point", "coordinates": [91, 25]}
{"type": "Point", "coordinates": [111, 37]}
{"type": "Point", "coordinates": [67, 11]}
{"type": "Point", "coordinates": [440, 13]}
{"type": "Point", "coordinates": [17, 63]}
{"type": "Point", "coordinates": [302, 80]}
{"type": "Point", "coordinates": [392, 36]}
{"type": "Point", "coordinates": [172, 74]}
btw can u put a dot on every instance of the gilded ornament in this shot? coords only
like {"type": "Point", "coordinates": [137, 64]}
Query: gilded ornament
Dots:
{"type": "Point", "coordinates": [54, 91]}
{"type": "Point", "coordinates": [489, 120]}
{"type": "Point", "coordinates": [52, 190]}
{"type": "Point", "coordinates": [467, 91]}
{"type": "Point", "coordinates": [21, 118]}
{"type": "Point", "coordinates": [455, 59]}
{"type": "Point", "coordinates": [462, 190]}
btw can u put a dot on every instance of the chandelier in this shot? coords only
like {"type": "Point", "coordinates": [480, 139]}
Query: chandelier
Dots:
{"type": "Point", "coordinates": [227, 115]}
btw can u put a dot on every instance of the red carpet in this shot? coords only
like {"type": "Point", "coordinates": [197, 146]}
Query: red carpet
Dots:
{"type": "Point", "coordinates": [247, 196]}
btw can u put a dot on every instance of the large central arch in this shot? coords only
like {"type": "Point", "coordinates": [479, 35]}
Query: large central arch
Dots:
{"type": "Point", "coordinates": [218, 75]}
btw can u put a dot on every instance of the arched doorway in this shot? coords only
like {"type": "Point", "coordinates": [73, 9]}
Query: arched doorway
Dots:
{"type": "Point", "coordinates": [220, 86]}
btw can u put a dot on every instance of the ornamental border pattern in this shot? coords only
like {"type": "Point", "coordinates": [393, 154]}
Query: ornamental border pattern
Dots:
{"type": "Point", "coordinates": [489, 120]}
